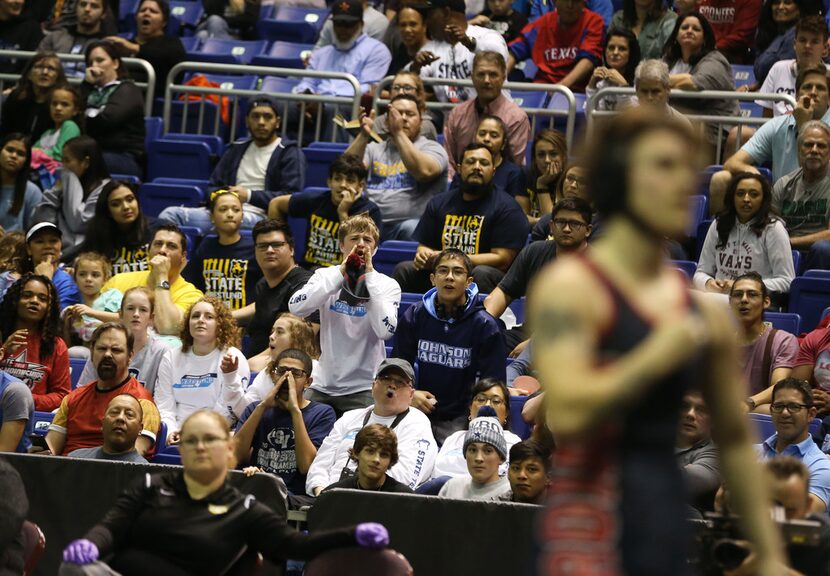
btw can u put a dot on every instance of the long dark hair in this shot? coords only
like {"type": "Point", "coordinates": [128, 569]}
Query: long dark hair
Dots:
{"type": "Point", "coordinates": [505, 152]}
{"type": "Point", "coordinates": [25, 89]}
{"type": "Point", "coordinates": [729, 216]}
{"type": "Point", "coordinates": [49, 326]}
{"type": "Point", "coordinates": [671, 50]}
{"type": "Point", "coordinates": [103, 234]}
{"type": "Point", "coordinates": [86, 147]}
{"type": "Point", "coordinates": [768, 29]}
{"type": "Point", "coordinates": [634, 54]}
{"type": "Point", "coordinates": [21, 180]}
{"type": "Point", "coordinates": [629, 12]}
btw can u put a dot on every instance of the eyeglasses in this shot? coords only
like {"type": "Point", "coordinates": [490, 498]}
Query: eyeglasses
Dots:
{"type": "Point", "coordinates": [494, 400]}
{"type": "Point", "coordinates": [396, 383]}
{"type": "Point", "coordinates": [571, 179]}
{"type": "Point", "coordinates": [792, 407]}
{"type": "Point", "coordinates": [276, 245]}
{"type": "Point", "coordinates": [296, 372]}
{"type": "Point", "coordinates": [404, 88]}
{"type": "Point", "coordinates": [45, 68]}
{"type": "Point", "coordinates": [207, 441]}
{"type": "Point", "coordinates": [750, 294]}
{"type": "Point", "coordinates": [574, 225]}
{"type": "Point", "coordinates": [446, 271]}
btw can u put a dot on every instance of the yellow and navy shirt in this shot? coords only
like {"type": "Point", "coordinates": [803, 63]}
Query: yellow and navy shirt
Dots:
{"type": "Point", "coordinates": [227, 272]}
{"type": "Point", "coordinates": [130, 259]}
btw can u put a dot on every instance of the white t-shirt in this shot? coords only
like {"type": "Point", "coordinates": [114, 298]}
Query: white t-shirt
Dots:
{"type": "Point", "coordinates": [254, 165]}
{"type": "Point", "coordinates": [187, 382]}
{"type": "Point", "coordinates": [466, 489]}
{"type": "Point", "coordinates": [451, 461]}
{"type": "Point", "coordinates": [416, 448]}
{"type": "Point", "coordinates": [780, 80]}
{"type": "Point", "coordinates": [455, 61]}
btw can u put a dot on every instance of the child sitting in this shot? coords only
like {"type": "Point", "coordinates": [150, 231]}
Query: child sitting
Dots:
{"type": "Point", "coordinates": [47, 153]}
{"type": "Point", "coordinates": [92, 270]}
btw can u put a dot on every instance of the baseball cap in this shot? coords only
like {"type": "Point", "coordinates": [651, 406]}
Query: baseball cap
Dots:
{"type": "Point", "coordinates": [398, 364]}
{"type": "Point", "coordinates": [347, 11]}
{"type": "Point", "coordinates": [41, 228]}
{"type": "Point", "coordinates": [453, 5]}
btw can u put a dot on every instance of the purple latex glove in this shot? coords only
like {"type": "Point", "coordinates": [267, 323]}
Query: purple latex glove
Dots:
{"type": "Point", "coordinates": [80, 552]}
{"type": "Point", "coordinates": [371, 535]}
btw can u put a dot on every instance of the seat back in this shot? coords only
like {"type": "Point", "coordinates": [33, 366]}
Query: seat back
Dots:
{"type": "Point", "coordinates": [743, 75]}
{"type": "Point", "coordinates": [391, 252]}
{"type": "Point", "coordinates": [359, 561]}
{"type": "Point", "coordinates": [808, 298]}
{"type": "Point", "coordinates": [229, 51]}
{"type": "Point", "coordinates": [76, 366]}
{"type": "Point", "coordinates": [293, 24]}
{"type": "Point", "coordinates": [786, 321]}
{"type": "Point", "coordinates": [686, 266]}
{"type": "Point", "coordinates": [517, 425]}
{"type": "Point", "coordinates": [699, 208]}
{"type": "Point", "coordinates": [154, 197]}
{"type": "Point", "coordinates": [284, 55]}
{"type": "Point", "coordinates": [41, 422]}
{"type": "Point", "coordinates": [172, 158]}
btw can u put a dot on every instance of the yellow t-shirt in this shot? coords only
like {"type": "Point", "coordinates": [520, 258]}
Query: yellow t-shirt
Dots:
{"type": "Point", "coordinates": [183, 293]}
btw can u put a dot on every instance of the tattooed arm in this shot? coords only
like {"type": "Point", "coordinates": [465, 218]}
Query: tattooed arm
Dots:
{"type": "Point", "coordinates": [567, 311]}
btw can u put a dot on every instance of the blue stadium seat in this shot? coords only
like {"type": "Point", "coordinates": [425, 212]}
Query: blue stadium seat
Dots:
{"type": "Point", "coordinates": [518, 308]}
{"type": "Point", "coordinates": [815, 272]}
{"type": "Point", "coordinates": [126, 15]}
{"type": "Point", "coordinates": [786, 321]}
{"type": "Point", "coordinates": [743, 75]}
{"type": "Point", "coordinates": [299, 229]}
{"type": "Point", "coordinates": [283, 55]}
{"type": "Point", "coordinates": [203, 184]}
{"type": "Point", "coordinates": [702, 230]}
{"type": "Point", "coordinates": [529, 99]}
{"type": "Point", "coordinates": [41, 422]}
{"type": "Point", "coordinates": [705, 178]}
{"type": "Point", "coordinates": [686, 266]}
{"type": "Point", "coordinates": [161, 438]}
{"type": "Point", "coordinates": [518, 426]}
{"type": "Point", "coordinates": [808, 298]}
{"type": "Point", "coordinates": [391, 252]}
{"type": "Point", "coordinates": [230, 51]}
{"type": "Point", "coordinates": [278, 84]}
{"type": "Point", "coordinates": [230, 81]}
{"type": "Point", "coordinates": [184, 16]}
{"type": "Point", "coordinates": [699, 208]}
{"type": "Point", "coordinates": [825, 312]}
{"type": "Point", "coordinates": [408, 299]}
{"type": "Point", "coordinates": [765, 427]}
{"type": "Point", "coordinates": [766, 173]}
{"type": "Point", "coordinates": [174, 158]}
{"type": "Point", "coordinates": [215, 143]}
{"type": "Point", "coordinates": [76, 366]}
{"type": "Point", "coordinates": [293, 24]}
{"type": "Point", "coordinates": [126, 178]}
{"type": "Point", "coordinates": [154, 197]}
{"type": "Point", "coordinates": [193, 236]}
{"type": "Point", "coordinates": [191, 44]}
{"type": "Point", "coordinates": [796, 261]}
{"type": "Point", "coordinates": [153, 129]}
{"type": "Point", "coordinates": [318, 159]}
{"type": "Point", "coordinates": [170, 459]}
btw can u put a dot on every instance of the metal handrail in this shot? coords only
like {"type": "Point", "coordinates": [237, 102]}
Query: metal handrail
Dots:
{"type": "Point", "coordinates": [149, 86]}
{"type": "Point", "coordinates": [552, 89]}
{"type": "Point", "coordinates": [247, 70]}
{"type": "Point", "coordinates": [591, 112]}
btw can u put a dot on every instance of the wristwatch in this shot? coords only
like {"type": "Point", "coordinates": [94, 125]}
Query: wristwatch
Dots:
{"type": "Point", "coordinates": [751, 403]}
{"type": "Point", "coordinates": [164, 285]}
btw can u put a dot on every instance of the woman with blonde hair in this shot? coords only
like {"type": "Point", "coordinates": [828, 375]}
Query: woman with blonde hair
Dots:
{"type": "Point", "coordinates": [193, 376]}
{"type": "Point", "coordinates": [289, 331]}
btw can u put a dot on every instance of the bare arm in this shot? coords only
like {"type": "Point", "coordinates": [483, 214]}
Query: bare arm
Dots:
{"type": "Point", "coordinates": [804, 372]}
{"type": "Point", "coordinates": [500, 258]}
{"type": "Point", "coordinates": [10, 434]}
{"type": "Point", "coordinates": [807, 241]}
{"type": "Point", "coordinates": [244, 315]}
{"type": "Point", "coordinates": [740, 161]}
{"type": "Point", "coordinates": [421, 165]}
{"type": "Point", "coordinates": [168, 316]}
{"type": "Point", "coordinates": [578, 74]}
{"type": "Point", "coordinates": [682, 82]}
{"type": "Point", "coordinates": [55, 441]}
{"type": "Point", "coordinates": [245, 435]}
{"type": "Point", "coordinates": [278, 207]}
{"type": "Point", "coordinates": [358, 145]}
{"type": "Point", "coordinates": [303, 446]}
{"type": "Point", "coordinates": [497, 302]}
{"type": "Point", "coordinates": [143, 444]}
{"type": "Point", "coordinates": [738, 459]}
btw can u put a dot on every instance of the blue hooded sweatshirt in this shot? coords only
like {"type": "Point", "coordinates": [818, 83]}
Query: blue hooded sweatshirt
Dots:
{"type": "Point", "coordinates": [452, 354]}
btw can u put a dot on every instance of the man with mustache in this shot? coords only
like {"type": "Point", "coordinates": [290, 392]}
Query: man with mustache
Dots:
{"type": "Point", "coordinates": [482, 221]}
{"type": "Point", "coordinates": [121, 427]}
{"type": "Point", "coordinates": [802, 197]}
{"type": "Point", "coordinates": [78, 422]}
{"type": "Point", "coordinates": [281, 433]}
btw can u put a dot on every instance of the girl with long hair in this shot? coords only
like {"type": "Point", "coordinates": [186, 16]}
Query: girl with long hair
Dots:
{"type": "Point", "coordinates": [18, 196]}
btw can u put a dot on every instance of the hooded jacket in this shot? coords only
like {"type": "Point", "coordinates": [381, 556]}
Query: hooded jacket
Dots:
{"type": "Point", "coordinates": [451, 353]}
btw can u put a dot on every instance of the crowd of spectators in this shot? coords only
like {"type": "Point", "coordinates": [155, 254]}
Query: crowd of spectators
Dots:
{"type": "Point", "coordinates": [335, 383]}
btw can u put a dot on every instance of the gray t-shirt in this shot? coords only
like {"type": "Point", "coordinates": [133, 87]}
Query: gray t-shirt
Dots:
{"type": "Point", "coordinates": [805, 208]}
{"type": "Point", "coordinates": [466, 489]}
{"type": "Point", "coordinates": [16, 403]}
{"type": "Point", "coordinates": [390, 185]}
{"type": "Point", "coordinates": [99, 454]}
{"type": "Point", "coordinates": [144, 367]}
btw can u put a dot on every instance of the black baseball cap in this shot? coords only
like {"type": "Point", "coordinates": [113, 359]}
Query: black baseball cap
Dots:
{"type": "Point", "coordinates": [453, 5]}
{"type": "Point", "coordinates": [347, 11]}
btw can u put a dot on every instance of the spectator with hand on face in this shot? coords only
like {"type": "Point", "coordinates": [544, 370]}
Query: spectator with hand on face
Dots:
{"type": "Point", "coordinates": [170, 504]}
{"type": "Point", "coordinates": [548, 157]}
{"type": "Point", "coordinates": [620, 59]}
{"type": "Point", "coordinates": [326, 211]}
{"type": "Point", "coordinates": [357, 305]}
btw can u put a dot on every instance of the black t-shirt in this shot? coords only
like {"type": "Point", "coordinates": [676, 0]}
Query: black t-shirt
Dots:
{"type": "Point", "coordinates": [270, 302]}
{"type": "Point", "coordinates": [389, 485]}
{"type": "Point", "coordinates": [163, 52]}
{"type": "Point", "coordinates": [508, 26]}
{"type": "Point", "coordinates": [529, 261]}
{"type": "Point", "coordinates": [228, 272]}
{"type": "Point", "coordinates": [474, 227]}
{"type": "Point", "coordinates": [322, 246]}
{"type": "Point", "coordinates": [18, 34]}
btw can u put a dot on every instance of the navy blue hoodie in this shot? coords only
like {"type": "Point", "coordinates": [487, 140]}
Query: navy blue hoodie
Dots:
{"type": "Point", "coordinates": [285, 174]}
{"type": "Point", "coordinates": [451, 353]}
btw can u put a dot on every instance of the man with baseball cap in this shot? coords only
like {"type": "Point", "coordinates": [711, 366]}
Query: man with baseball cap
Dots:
{"type": "Point", "coordinates": [257, 169]}
{"type": "Point", "coordinates": [352, 52]}
{"type": "Point", "coordinates": [42, 256]}
{"type": "Point", "coordinates": [375, 24]}
{"type": "Point", "coordinates": [392, 392]}
{"type": "Point", "coordinates": [452, 46]}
